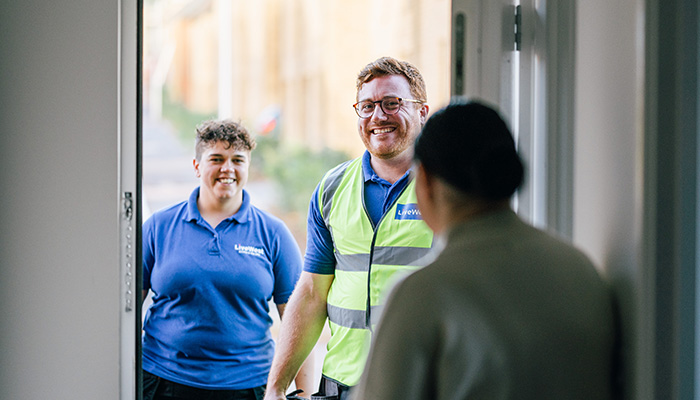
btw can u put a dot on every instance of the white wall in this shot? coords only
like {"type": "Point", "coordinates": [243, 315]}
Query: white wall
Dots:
{"type": "Point", "coordinates": [635, 179]}
{"type": "Point", "coordinates": [608, 127]}
{"type": "Point", "coordinates": [608, 118]}
{"type": "Point", "coordinates": [59, 276]}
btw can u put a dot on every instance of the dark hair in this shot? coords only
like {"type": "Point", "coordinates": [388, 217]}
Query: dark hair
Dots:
{"type": "Point", "coordinates": [390, 66]}
{"type": "Point", "coordinates": [470, 147]}
{"type": "Point", "coordinates": [229, 131]}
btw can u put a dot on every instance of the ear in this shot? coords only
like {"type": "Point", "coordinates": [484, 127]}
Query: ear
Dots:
{"type": "Point", "coordinates": [424, 114]}
{"type": "Point", "coordinates": [195, 164]}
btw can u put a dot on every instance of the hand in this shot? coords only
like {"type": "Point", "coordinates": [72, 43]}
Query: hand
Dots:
{"type": "Point", "coordinates": [274, 395]}
{"type": "Point", "coordinates": [294, 395]}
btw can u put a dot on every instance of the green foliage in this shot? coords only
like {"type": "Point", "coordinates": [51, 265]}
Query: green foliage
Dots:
{"type": "Point", "coordinates": [183, 120]}
{"type": "Point", "coordinates": [295, 169]}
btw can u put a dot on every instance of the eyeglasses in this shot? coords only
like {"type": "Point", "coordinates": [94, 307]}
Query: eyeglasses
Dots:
{"type": "Point", "coordinates": [390, 106]}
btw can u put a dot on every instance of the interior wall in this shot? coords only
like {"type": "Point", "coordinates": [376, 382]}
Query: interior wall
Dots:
{"type": "Point", "coordinates": [59, 271]}
{"type": "Point", "coordinates": [607, 194]}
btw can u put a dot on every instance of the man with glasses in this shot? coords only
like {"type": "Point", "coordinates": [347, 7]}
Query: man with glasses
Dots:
{"type": "Point", "coordinates": [364, 231]}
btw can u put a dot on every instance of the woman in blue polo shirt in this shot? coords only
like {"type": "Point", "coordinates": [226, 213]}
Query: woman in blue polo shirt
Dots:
{"type": "Point", "coordinates": [213, 263]}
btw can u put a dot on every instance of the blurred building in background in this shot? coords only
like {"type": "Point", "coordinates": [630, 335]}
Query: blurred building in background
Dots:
{"type": "Point", "coordinates": [287, 67]}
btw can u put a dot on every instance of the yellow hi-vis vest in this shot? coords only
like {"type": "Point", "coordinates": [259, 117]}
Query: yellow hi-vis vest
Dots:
{"type": "Point", "coordinates": [368, 261]}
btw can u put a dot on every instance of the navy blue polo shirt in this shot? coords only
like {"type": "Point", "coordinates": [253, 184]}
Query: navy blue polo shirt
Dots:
{"type": "Point", "coordinates": [379, 197]}
{"type": "Point", "coordinates": [209, 323]}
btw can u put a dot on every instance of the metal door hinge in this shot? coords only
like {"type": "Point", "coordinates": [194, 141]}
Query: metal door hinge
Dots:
{"type": "Point", "coordinates": [128, 250]}
{"type": "Point", "coordinates": [127, 206]}
{"type": "Point", "coordinates": [518, 28]}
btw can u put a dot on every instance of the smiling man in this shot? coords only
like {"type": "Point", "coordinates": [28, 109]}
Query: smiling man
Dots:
{"type": "Point", "coordinates": [364, 228]}
{"type": "Point", "coordinates": [214, 262]}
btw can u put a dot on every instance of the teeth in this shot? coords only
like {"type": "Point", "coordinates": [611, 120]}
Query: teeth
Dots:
{"type": "Point", "coordinates": [384, 130]}
{"type": "Point", "coordinates": [226, 180]}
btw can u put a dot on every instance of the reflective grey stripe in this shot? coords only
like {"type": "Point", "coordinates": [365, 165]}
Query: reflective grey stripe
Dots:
{"type": "Point", "coordinates": [352, 262]}
{"type": "Point", "coordinates": [388, 255]}
{"type": "Point", "coordinates": [354, 319]}
{"type": "Point", "coordinates": [330, 185]}
{"type": "Point", "coordinates": [394, 255]}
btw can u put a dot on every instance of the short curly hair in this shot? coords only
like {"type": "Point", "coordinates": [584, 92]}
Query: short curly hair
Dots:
{"type": "Point", "coordinates": [226, 130]}
{"type": "Point", "coordinates": [390, 66]}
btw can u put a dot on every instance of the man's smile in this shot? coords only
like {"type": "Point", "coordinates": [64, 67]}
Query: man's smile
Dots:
{"type": "Point", "coordinates": [379, 131]}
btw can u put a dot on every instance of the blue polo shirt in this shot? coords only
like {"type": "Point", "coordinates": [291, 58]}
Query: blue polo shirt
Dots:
{"type": "Point", "coordinates": [379, 194]}
{"type": "Point", "coordinates": [209, 323]}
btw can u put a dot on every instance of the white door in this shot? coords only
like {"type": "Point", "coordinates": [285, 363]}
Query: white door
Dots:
{"type": "Point", "coordinates": [68, 119]}
{"type": "Point", "coordinates": [130, 197]}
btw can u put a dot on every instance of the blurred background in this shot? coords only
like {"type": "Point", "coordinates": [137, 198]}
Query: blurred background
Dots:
{"type": "Point", "coordinates": [286, 69]}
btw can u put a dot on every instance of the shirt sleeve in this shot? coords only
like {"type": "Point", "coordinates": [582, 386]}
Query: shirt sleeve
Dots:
{"type": "Point", "coordinates": [148, 250]}
{"type": "Point", "coordinates": [286, 265]}
{"type": "Point", "coordinates": [319, 257]}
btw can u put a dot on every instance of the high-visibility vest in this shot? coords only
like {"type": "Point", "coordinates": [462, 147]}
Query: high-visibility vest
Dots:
{"type": "Point", "coordinates": [368, 260]}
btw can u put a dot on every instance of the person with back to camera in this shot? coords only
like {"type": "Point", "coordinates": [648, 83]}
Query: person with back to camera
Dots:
{"type": "Point", "coordinates": [214, 262]}
{"type": "Point", "coordinates": [363, 229]}
{"type": "Point", "coordinates": [506, 311]}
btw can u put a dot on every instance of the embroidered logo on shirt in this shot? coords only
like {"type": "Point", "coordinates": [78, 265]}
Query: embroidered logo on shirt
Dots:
{"type": "Point", "coordinates": [407, 211]}
{"type": "Point", "coordinates": [252, 250]}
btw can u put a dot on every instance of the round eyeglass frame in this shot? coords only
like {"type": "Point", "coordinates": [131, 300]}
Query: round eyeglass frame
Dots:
{"type": "Point", "coordinates": [381, 105]}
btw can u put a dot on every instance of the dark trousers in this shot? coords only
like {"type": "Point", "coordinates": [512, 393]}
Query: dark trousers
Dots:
{"type": "Point", "coordinates": [157, 388]}
{"type": "Point", "coordinates": [331, 390]}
